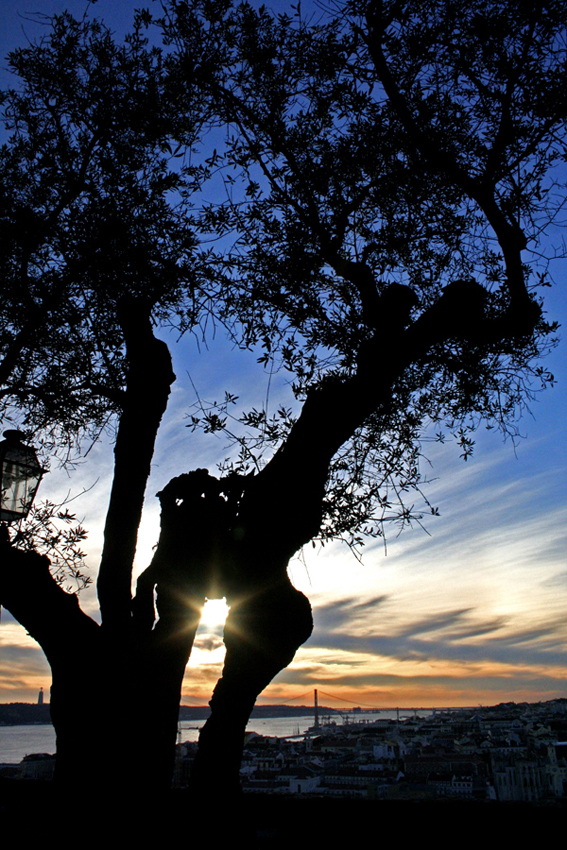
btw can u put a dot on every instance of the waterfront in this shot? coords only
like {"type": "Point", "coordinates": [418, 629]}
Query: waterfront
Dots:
{"type": "Point", "coordinates": [19, 741]}
{"type": "Point", "coordinates": [285, 727]}
{"type": "Point", "coordinates": [512, 753]}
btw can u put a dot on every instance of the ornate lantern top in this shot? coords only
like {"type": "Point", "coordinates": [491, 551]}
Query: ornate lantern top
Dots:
{"type": "Point", "coordinates": [21, 474]}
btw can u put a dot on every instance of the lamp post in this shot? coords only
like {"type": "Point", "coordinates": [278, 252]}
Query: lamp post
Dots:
{"type": "Point", "coordinates": [21, 474]}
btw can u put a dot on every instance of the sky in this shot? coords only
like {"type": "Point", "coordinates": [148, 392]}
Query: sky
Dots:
{"type": "Point", "coordinates": [469, 611]}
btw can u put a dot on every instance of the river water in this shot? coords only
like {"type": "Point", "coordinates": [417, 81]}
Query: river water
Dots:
{"type": "Point", "coordinates": [19, 741]}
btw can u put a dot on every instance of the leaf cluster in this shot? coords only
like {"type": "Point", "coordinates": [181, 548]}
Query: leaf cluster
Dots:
{"type": "Point", "coordinates": [54, 531]}
{"type": "Point", "coordinates": [94, 214]}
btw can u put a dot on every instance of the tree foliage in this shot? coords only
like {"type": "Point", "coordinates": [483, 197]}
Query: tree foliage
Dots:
{"type": "Point", "coordinates": [55, 532]}
{"type": "Point", "coordinates": [93, 218]}
{"type": "Point", "coordinates": [396, 165]}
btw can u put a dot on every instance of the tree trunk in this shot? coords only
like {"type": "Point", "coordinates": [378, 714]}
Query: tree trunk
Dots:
{"type": "Point", "coordinates": [114, 700]}
{"type": "Point", "coordinates": [263, 631]}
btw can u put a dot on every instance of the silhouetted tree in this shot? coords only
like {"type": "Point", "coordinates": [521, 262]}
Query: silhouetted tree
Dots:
{"type": "Point", "coordinates": [388, 166]}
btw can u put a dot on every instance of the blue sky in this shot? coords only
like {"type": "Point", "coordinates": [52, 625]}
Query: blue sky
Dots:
{"type": "Point", "coordinates": [473, 612]}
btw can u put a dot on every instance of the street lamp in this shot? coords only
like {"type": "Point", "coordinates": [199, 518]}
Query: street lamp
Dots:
{"type": "Point", "coordinates": [21, 474]}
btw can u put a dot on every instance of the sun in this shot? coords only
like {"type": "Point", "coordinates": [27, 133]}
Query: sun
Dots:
{"type": "Point", "coordinates": [215, 612]}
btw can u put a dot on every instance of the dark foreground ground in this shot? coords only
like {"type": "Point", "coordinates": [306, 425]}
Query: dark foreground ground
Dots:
{"type": "Point", "coordinates": [262, 821]}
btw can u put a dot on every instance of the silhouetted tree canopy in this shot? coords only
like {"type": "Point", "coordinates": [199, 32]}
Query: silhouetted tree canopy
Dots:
{"type": "Point", "coordinates": [94, 217]}
{"type": "Point", "coordinates": [397, 168]}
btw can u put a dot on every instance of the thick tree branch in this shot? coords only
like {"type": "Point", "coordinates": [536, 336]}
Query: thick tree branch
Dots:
{"type": "Point", "coordinates": [150, 375]}
{"type": "Point", "coordinates": [50, 615]}
{"type": "Point", "coordinates": [284, 503]}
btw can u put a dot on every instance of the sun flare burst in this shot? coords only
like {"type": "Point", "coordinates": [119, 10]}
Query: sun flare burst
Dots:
{"type": "Point", "coordinates": [215, 612]}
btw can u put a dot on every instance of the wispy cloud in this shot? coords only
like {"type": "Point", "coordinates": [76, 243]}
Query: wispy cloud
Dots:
{"type": "Point", "coordinates": [459, 635]}
{"type": "Point", "coordinates": [23, 670]}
